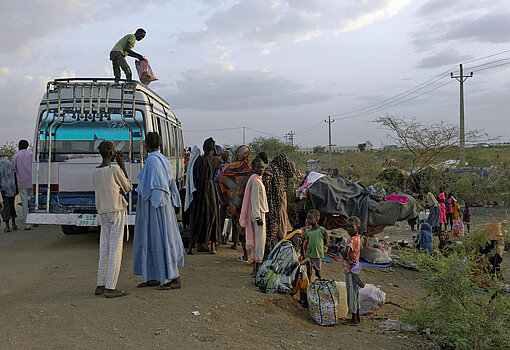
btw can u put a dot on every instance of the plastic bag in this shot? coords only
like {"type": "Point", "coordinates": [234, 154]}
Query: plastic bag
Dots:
{"type": "Point", "coordinates": [323, 301]}
{"type": "Point", "coordinates": [371, 299]}
{"type": "Point", "coordinates": [145, 72]}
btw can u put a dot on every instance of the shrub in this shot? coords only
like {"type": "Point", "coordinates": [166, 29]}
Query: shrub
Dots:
{"type": "Point", "coordinates": [461, 310]}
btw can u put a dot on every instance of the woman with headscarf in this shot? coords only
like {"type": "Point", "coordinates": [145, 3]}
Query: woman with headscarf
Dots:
{"type": "Point", "coordinates": [226, 158]}
{"type": "Point", "coordinates": [277, 219]}
{"type": "Point", "coordinates": [158, 252]}
{"type": "Point", "coordinates": [231, 185]}
{"type": "Point", "coordinates": [204, 218]}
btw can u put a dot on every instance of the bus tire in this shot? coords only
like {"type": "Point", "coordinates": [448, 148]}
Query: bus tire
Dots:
{"type": "Point", "coordinates": [81, 229]}
{"type": "Point", "coordinates": [68, 229]}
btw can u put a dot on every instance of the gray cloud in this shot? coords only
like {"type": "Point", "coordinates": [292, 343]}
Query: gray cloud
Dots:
{"type": "Point", "coordinates": [443, 22]}
{"type": "Point", "coordinates": [445, 57]}
{"type": "Point", "coordinates": [24, 23]}
{"type": "Point", "coordinates": [265, 22]}
{"type": "Point", "coordinates": [493, 28]}
{"type": "Point", "coordinates": [216, 89]}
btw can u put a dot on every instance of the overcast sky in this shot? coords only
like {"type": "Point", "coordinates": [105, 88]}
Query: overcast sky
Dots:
{"type": "Point", "coordinates": [272, 66]}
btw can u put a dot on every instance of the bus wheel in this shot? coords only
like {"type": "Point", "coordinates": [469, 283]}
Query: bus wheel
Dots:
{"type": "Point", "coordinates": [81, 229]}
{"type": "Point", "coordinates": [68, 229]}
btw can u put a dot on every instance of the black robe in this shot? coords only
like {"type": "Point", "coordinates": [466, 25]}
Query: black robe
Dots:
{"type": "Point", "coordinates": [204, 218]}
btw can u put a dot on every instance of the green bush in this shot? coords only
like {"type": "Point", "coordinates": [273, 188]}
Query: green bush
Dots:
{"type": "Point", "coordinates": [8, 150]}
{"type": "Point", "coordinates": [459, 310]}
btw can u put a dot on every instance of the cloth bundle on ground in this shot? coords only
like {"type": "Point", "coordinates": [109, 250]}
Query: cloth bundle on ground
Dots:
{"type": "Point", "coordinates": [371, 299]}
{"type": "Point", "coordinates": [323, 301]}
{"type": "Point", "coordinates": [338, 197]}
{"type": "Point", "coordinates": [145, 72]}
{"type": "Point", "coordinates": [374, 256]}
{"type": "Point", "coordinates": [280, 271]}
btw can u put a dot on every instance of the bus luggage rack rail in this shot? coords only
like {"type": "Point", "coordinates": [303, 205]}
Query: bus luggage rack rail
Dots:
{"type": "Point", "coordinates": [90, 109]}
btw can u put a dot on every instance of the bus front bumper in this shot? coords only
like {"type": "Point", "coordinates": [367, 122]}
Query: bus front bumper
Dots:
{"type": "Point", "coordinates": [63, 219]}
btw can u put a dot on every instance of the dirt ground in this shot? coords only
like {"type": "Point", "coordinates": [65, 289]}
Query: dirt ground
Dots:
{"type": "Point", "coordinates": [47, 302]}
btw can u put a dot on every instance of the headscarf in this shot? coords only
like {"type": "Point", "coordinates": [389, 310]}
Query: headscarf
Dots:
{"type": "Point", "coordinates": [219, 150]}
{"type": "Point", "coordinates": [190, 182]}
{"type": "Point", "coordinates": [209, 145]}
{"type": "Point", "coordinates": [232, 181]}
{"type": "Point", "coordinates": [156, 179]}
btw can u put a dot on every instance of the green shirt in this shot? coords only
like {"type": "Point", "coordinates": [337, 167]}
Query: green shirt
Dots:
{"type": "Point", "coordinates": [315, 248]}
{"type": "Point", "coordinates": [121, 44]}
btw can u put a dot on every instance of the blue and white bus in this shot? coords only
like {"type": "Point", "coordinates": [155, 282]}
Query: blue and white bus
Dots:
{"type": "Point", "coordinates": [74, 116]}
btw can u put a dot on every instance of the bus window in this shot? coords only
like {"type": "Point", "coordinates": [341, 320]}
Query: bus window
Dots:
{"type": "Point", "coordinates": [77, 138]}
{"type": "Point", "coordinates": [164, 137]}
{"type": "Point", "coordinates": [171, 140]}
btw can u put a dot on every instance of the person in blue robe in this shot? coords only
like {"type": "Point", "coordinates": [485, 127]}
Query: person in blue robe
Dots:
{"type": "Point", "coordinates": [158, 251]}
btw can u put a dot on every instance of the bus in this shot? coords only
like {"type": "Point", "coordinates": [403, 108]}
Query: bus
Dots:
{"type": "Point", "coordinates": [74, 116]}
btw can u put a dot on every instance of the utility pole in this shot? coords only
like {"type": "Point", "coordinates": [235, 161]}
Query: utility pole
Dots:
{"type": "Point", "coordinates": [244, 135]}
{"type": "Point", "coordinates": [291, 137]}
{"type": "Point", "coordinates": [329, 121]}
{"type": "Point", "coordinates": [461, 79]}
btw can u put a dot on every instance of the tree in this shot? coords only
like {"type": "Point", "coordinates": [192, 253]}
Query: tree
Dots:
{"type": "Point", "coordinates": [425, 142]}
{"type": "Point", "coordinates": [8, 150]}
{"type": "Point", "coordinates": [272, 146]}
{"type": "Point", "coordinates": [319, 149]}
{"type": "Point", "coordinates": [362, 147]}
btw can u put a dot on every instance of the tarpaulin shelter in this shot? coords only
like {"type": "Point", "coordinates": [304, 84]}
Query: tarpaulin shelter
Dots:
{"type": "Point", "coordinates": [337, 200]}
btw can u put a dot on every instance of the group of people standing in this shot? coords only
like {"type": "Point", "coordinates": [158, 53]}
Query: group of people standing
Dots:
{"type": "Point", "coordinates": [445, 210]}
{"type": "Point", "coordinates": [158, 251]}
{"type": "Point", "coordinates": [15, 177]}
{"type": "Point", "coordinates": [224, 187]}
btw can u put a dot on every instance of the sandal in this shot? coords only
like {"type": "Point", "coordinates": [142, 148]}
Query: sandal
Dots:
{"type": "Point", "coordinates": [114, 293]}
{"type": "Point", "coordinates": [151, 283]}
{"type": "Point", "coordinates": [99, 290]}
{"type": "Point", "coordinates": [173, 284]}
{"type": "Point", "coordinates": [241, 259]}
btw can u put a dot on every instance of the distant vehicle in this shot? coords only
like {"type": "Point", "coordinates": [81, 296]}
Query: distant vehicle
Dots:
{"type": "Point", "coordinates": [74, 116]}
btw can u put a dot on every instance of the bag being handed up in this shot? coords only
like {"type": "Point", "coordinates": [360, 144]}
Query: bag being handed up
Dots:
{"type": "Point", "coordinates": [323, 301]}
{"type": "Point", "coordinates": [145, 71]}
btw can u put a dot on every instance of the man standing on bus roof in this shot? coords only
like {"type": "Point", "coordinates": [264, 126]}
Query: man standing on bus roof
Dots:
{"type": "Point", "coordinates": [122, 49]}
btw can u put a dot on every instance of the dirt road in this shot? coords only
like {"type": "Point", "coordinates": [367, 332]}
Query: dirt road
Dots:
{"type": "Point", "coordinates": [47, 302]}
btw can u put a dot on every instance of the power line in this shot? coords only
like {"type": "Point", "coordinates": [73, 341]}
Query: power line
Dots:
{"type": "Point", "coordinates": [207, 130]}
{"type": "Point", "coordinates": [499, 65]}
{"type": "Point", "coordinates": [482, 58]}
{"type": "Point", "coordinates": [488, 63]}
{"type": "Point", "coordinates": [396, 104]}
{"type": "Point", "coordinates": [264, 133]}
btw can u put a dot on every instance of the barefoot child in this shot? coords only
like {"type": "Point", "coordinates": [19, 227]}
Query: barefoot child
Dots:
{"type": "Point", "coordinates": [350, 260]}
{"type": "Point", "coordinates": [317, 243]}
{"type": "Point", "coordinates": [110, 185]}
{"type": "Point", "coordinates": [253, 214]}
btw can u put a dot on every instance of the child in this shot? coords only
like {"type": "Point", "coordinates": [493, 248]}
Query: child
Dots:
{"type": "Point", "coordinates": [466, 216]}
{"type": "Point", "coordinates": [350, 260]}
{"type": "Point", "coordinates": [444, 242]}
{"type": "Point", "coordinates": [253, 214]}
{"type": "Point", "coordinates": [317, 237]}
{"type": "Point", "coordinates": [110, 184]}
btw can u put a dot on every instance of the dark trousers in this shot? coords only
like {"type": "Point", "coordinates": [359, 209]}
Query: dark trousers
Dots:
{"type": "Point", "coordinates": [9, 211]}
{"type": "Point", "coordinates": [118, 62]}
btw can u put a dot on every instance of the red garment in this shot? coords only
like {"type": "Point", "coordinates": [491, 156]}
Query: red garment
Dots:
{"type": "Point", "coordinates": [451, 202]}
{"type": "Point", "coordinates": [354, 243]}
{"type": "Point", "coordinates": [232, 181]}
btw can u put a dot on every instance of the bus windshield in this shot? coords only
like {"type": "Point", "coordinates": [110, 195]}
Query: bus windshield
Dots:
{"type": "Point", "coordinates": [77, 138]}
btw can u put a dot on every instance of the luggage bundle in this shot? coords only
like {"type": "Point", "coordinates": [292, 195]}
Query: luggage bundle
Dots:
{"type": "Point", "coordinates": [323, 301]}
{"type": "Point", "coordinates": [145, 72]}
